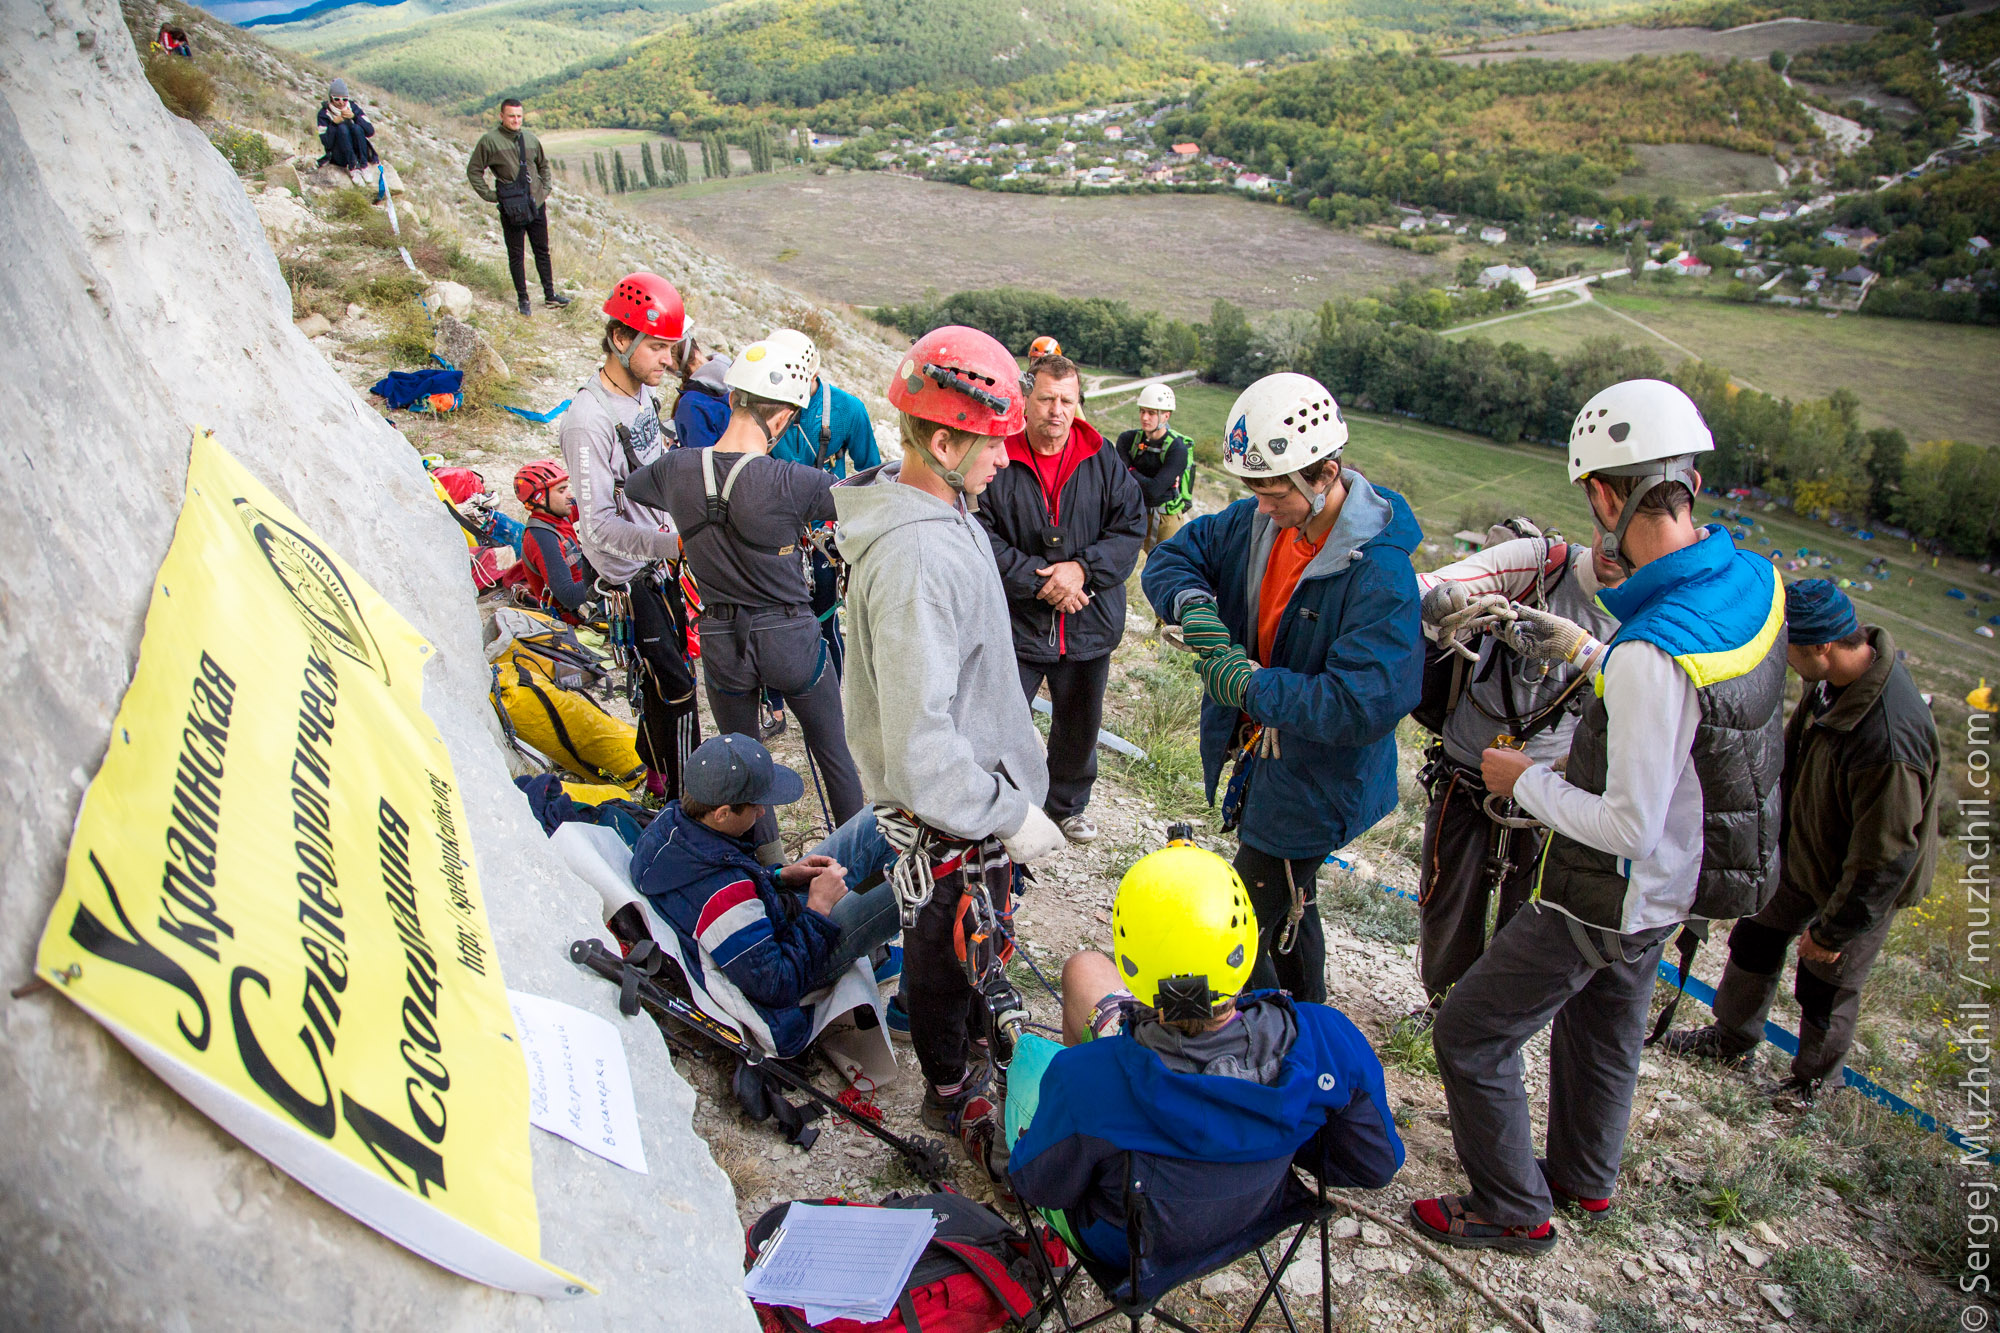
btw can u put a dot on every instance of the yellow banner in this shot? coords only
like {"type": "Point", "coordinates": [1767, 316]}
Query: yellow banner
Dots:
{"type": "Point", "coordinates": [269, 896]}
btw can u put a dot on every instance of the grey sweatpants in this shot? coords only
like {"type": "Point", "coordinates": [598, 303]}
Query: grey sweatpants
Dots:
{"type": "Point", "coordinates": [1829, 994]}
{"type": "Point", "coordinates": [1534, 972]}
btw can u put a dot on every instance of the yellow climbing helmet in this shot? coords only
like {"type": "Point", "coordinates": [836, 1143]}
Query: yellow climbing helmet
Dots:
{"type": "Point", "coordinates": [1183, 913]}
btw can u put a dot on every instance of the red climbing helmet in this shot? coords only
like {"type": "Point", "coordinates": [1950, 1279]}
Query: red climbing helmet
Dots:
{"type": "Point", "coordinates": [960, 378]}
{"type": "Point", "coordinates": [647, 302]}
{"type": "Point", "coordinates": [535, 480]}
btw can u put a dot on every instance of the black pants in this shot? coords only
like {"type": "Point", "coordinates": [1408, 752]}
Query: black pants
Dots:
{"type": "Point", "coordinates": [669, 718]}
{"type": "Point", "coordinates": [346, 146]}
{"type": "Point", "coordinates": [1302, 971]}
{"type": "Point", "coordinates": [518, 239]}
{"type": "Point", "coordinates": [1076, 704]}
{"type": "Point", "coordinates": [1455, 881]}
{"type": "Point", "coordinates": [946, 1014]}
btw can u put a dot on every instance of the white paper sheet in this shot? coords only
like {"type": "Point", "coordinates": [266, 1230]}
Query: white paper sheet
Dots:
{"type": "Point", "coordinates": [579, 1086]}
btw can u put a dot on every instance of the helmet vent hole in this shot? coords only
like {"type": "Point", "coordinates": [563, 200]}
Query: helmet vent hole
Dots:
{"type": "Point", "coordinates": [1620, 430]}
{"type": "Point", "coordinates": [1131, 968]}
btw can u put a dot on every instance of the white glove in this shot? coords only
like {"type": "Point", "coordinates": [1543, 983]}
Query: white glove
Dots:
{"type": "Point", "coordinates": [1541, 637]}
{"type": "Point", "coordinates": [1037, 839]}
{"type": "Point", "coordinates": [1443, 600]}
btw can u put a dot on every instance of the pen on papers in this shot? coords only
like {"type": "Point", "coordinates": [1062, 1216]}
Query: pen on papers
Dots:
{"type": "Point", "coordinates": [770, 1248]}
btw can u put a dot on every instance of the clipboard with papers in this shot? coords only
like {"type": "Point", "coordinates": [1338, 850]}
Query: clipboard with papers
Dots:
{"type": "Point", "coordinates": [833, 1262]}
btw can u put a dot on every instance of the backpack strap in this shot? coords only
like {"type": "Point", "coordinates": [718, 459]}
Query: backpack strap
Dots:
{"type": "Point", "coordinates": [594, 386]}
{"type": "Point", "coordinates": [715, 503]}
{"type": "Point", "coordinates": [1011, 1294]}
{"type": "Point", "coordinates": [825, 423]}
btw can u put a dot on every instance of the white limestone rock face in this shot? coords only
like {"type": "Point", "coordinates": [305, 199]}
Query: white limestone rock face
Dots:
{"type": "Point", "coordinates": [143, 300]}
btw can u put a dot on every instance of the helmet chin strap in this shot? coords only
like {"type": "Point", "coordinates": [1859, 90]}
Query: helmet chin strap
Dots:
{"type": "Point", "coordinates": [952, 476]}
{"type": "Point", "coordinates": [1612, 540]}
{"type": "Point", "coordinates": [1315, 498]}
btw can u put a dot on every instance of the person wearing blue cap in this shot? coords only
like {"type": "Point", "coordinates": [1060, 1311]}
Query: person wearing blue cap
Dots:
{"type": "Point", "coordinates": [1861, 841]}
{"type": "Point", "coordinates": [777, 933]}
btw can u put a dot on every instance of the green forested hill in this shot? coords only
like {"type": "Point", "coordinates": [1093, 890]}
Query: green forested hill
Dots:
{"type": "Point", "coordinates": [856, 61]}
{"type": "Point", "coordinates": [463, 54]}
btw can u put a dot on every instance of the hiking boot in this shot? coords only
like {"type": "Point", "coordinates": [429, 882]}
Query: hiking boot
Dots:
{"type": "Point", "coordinates": [1423, 1017]}
{"type": "Point", "coordinates": [526, 309]}
{"type": "Point", "coordinates": [942, 1113]}
{"type": "Point", "coordinates": [1587, 1210]}
{"type": "Point", "coordinates": [1078, 828]}
{"type": "Point", "coordinates": [555, 298]}
{"type": "Point", "coordinates": [1445, 1221]}
{"type": "Point", "coordinates": [773, 724]}
{"type": "Point", "coordinates": [1704, 1044]}
{"type": "Point", "coordinates": [1793, 1093]}
{"type": "Point", "coordinates": [972, 1115]}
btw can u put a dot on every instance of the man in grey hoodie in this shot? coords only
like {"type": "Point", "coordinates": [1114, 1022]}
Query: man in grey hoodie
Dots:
{"type": "Point", "coordinates": [936, 719]}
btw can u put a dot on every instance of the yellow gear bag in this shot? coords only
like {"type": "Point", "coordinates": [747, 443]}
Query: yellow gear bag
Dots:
{"type": "Point", "coordinates": [568, 726]}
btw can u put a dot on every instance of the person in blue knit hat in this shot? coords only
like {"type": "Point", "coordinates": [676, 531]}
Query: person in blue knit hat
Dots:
{"type": "Point", "coordinates": [1861, 841]}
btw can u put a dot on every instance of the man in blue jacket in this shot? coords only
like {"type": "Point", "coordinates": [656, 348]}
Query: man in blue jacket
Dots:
{"type": "Point", "coordinates": [1215, 1093]}
{"type": "Point", "coordinates": [778, 934]}
{"type": "Point", "coordinates": [1303, 608]}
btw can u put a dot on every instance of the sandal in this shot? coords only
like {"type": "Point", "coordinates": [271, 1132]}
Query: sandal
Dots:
{"type": "Point", "coordinates": [1445, 1221]}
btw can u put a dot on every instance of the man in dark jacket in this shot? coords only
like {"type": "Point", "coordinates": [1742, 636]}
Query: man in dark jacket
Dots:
{"type": "Point", "coordinates": [1302, 605]}
{"type": "Point", "coordinates": [1066, 520]}
{"type": "Point", "coordinates": [778, 934]}
{"type": "Point", "coordinates": [1161, 460]}
{"type": "Point", "coordinates": [1177, 1080]}
{"type": "Point", "coordinates": [1860, 842]}
{"type": "Point", "coordinates": [521, 188]}
{"type": "Point", "coordinates": [344, 131]}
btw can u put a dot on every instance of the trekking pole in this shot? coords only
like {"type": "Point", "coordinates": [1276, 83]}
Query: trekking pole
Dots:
{"type": "Point", "coordinates": [927, 1160]}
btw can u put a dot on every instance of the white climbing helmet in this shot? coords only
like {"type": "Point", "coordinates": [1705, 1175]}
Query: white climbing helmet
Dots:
{"type": "Point", "coordinates": [1157, 397]}
{"type": "Point", "coordinates": [1635, 422]}
{"type": "Point", "coordinates": [1280, 424]}
{"type": "Point", "coordinates": [1637, 428]}
{"type": "Point", "coordinates": [781, 367]}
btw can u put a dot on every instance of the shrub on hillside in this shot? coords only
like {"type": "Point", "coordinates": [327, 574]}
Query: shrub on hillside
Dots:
{"type": "Point", "coordinates": [246, 150]}
{"type": "Point", "coordinates": [814, 323]}
{"type": "Point", "coordinates": [184, 87]}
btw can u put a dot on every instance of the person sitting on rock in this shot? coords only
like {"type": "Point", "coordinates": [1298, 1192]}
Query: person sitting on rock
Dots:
{"type": "Point", "coordinates": [1176, 1077]}
{"type": "Point", "coordinates": [778, 934]}
{"type": "Point", "coordinates": [344, 132]}
{"type": "Point", "coordinates": [554, 572]}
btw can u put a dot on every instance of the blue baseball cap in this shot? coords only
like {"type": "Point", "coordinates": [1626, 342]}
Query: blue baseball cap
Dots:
{"type": "Point", "coordinates": [736, 770]}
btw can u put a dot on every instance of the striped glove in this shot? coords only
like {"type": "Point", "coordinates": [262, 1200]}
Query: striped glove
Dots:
{"type": "Point", "coordinates": [1202, 629]}
{"type": "Point", "coordinates": [1226, 676]}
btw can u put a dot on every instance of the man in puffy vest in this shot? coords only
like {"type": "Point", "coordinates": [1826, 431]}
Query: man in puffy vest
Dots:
{"type": "Point", "coordinates": [1178, 1079]}
{"type": "Point", "coordinates": [1161, 460]}
{"type": "Point", "coordinates": [1667, 812]}
{"type": "Point", "coordinates": [1463, 861]}
{"type": "Point", "coordinates": [1301, 603]}
{"type": "Point", "coordinates": [1861, 841]}
{"type": "Point", "coordinates": [554, 572]}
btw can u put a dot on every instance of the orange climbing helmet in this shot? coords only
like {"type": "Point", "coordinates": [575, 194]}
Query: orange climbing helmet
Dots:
{"type": "Point", "coordinates": [1043, 346]}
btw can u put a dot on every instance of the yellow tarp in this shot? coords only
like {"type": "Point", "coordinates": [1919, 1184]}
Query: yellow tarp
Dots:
{"type": "Point", "coordinates": [269, 897]}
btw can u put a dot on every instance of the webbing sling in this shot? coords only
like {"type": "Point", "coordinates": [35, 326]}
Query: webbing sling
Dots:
{"type": "Point", "coordinates": [715, 505]}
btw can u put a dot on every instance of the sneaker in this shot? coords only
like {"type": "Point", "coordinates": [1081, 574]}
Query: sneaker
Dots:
{"type": "Point", "coordinates": [1423, 1017]}
{"type": "Point", "coordinates": [887, 969]}
{"type": "Point", "coordinates": [1587, 1210]}
{"type": "Point", "coordinates": [974, 1117]}
{"type": "Point", "coordinates": [773, 725]}
{"type": "Point", "coordinates": [1704, 1044]}
{"type": "Point", "coordinates": [944, 1113]}
{"type": "Point", "coordinates": [526, 309]}
{"type": "Point", "coordinates": [1793, 1093]}
{"type": "Point", "coordinates": [899, 1019]}
{"type": "Point", "coordinates": [1078, 828]}
{"type": "Point", "coordinates": [358, 176]}
{"type": "Point", "coordinates": [1445, 1221]}
{"type": "Point", "coordinates": [555, 298]}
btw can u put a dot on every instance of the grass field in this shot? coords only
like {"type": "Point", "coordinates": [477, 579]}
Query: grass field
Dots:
{"type": "Point", "coordinates": [1453, 480]}
{"type": "Point", "coordinates": [871, 238]}
{"type": "Point", "coordinates": [1920, 377]}
{"type": "Point", "coordinates": [1753, 41]}
{"type": "Point", "coordinates": [1693, 171]}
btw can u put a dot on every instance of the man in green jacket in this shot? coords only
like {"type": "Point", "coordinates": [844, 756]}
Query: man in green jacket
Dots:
{"type": "Point", "coordinates": [1860, 842]}
{"type": "Point", "coordinates": [521, 194]}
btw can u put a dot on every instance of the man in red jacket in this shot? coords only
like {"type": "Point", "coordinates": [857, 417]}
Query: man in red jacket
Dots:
{"type": "Point", "coordinates": [1066, 521]}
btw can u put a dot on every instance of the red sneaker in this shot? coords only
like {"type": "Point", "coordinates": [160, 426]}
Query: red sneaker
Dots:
{"type": "Point", "coordinates": [1445, 1221]}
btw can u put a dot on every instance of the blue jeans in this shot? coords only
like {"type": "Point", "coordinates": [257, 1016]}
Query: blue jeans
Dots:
{"type": "Point", "coordinates": [867, 917]}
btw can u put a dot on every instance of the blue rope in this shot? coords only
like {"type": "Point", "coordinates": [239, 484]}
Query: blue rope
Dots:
{"type": "Point", "coordinates": [1054, 994]}
{"type": "Point", "coordinates": [1786, 1041]}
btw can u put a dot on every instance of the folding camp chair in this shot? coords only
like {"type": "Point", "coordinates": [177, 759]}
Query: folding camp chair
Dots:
{"type": "Point", "coordinates": [1133, 1293]}
{"type": "Point", "coordinates": [603, 861]}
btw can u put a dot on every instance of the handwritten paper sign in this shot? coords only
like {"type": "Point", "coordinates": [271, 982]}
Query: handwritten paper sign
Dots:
{"type": "Point", "coordinates": [579, 1086]}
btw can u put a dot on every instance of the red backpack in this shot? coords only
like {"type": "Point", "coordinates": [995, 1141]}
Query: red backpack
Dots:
{"type": "Point", "coordinates": [977, 1274]}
